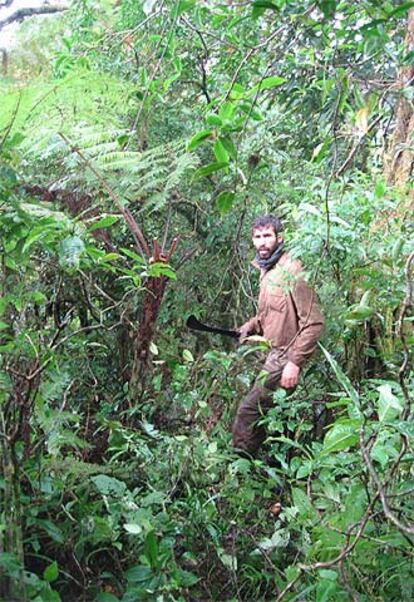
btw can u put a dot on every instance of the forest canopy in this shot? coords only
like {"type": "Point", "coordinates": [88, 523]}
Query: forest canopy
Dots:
{"type": "Point", "coordinates": [138, 141]}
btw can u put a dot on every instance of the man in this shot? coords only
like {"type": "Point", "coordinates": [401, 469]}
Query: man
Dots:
{"type": "Point", "coordinates": [288, 317]}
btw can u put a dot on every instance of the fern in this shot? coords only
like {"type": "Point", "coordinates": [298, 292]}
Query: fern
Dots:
{"type": "Point", "coordinates": [91, 110]}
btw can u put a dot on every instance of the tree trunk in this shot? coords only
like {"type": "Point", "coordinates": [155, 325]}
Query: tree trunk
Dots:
{"type": "Point", "coordinates": [399, 159]}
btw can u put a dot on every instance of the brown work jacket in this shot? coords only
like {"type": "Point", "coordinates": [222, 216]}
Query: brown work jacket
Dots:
{"type": "Point", "coordinates": [288, 314]}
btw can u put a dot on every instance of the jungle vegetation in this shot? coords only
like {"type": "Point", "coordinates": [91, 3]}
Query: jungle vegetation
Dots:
{"type": "Point", "coordinates": [138, 139]}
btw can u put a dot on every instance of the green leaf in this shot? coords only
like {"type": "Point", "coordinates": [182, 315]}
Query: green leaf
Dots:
{"type": "Point", "coordinates": [105, 222]}
{"type": "Point", "coordinates": [188, 356]}
{"type": "Point", "coordinates": [343, 434]}
{"type": "Point", "coordinates": [267, 83]}
{"type": "Point", "coordinates": [303, 504]}
{"type": "Point", "coordinates": [106, 597]}
{"type": "Point", "coordinates": [220, 152]}
{"type": "Point", "coordinates": [328, 7]}
{"type": "Point", "coordinates": [342, 377]}
{"type": "Point", "coordinates": [133, 255]}
{"type": "Point", "coordinates": [202, 172]}
{"type": "Point", "coordinates": [226, 111]}
{"type": "Point", "coordinates": [400, 10]}
{"type": "Point", "coordinates": [51, 529]}
{"type": "Point", "coordinates": [224, 201]}
{"type": "Point", "coordinates": [360, 313]}
{"type": "Point", "coordinates": [198, 138]}
{"type": "Point", "coordinates": [229, 146]}
{"type": "Point", "coordinates": [151, 549]}
{"type": "Point", "coordinates": [138, 574]}
{"type": "Point", "coordinates": [265, 4]}
{"type": "Point", "coordinates": [133, 528]}
{"type": "Point", "coordinates": [109, 486]}
{"type": "Point", "coordinates": [389, 405]}
{"type": "Point", "coordinates": [51, 572]}
{"type": "Point", "coordinates": [185, 5]}
{"type": "Point", "coordinates": [213, 119]}
{"type": "Point", "coordinates": [160, 268]}
{"type": "Point", "coordinates": [397, 249]}
{"type": "Point", "coordinates": [379, 189]}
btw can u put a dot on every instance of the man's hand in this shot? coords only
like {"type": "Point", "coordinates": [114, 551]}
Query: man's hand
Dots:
{"type": "Point", "coordinates": [243, 333]}
{"type": "Point", "coordinates": [290, 376]}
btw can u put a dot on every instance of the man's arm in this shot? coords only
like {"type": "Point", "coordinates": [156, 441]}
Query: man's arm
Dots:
{"type": "Point", "coordinates": [310, 323]}
{"type": "Point", "coordinates": [250, 327]}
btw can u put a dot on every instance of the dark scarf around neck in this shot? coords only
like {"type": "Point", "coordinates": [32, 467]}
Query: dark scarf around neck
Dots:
{"type": "Point", "coordinates": [267, 264]}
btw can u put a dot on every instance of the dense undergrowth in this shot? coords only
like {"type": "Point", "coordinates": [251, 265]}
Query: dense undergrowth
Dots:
{"type": "Point", "coordinates": [118, 482]}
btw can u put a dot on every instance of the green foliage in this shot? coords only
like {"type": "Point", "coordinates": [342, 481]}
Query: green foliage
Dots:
{"type": "Point", "coordinates": [196, 116]}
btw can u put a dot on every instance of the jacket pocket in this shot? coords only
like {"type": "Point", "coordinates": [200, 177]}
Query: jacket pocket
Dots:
{"type": "Point", "coordinates": [277, 300]}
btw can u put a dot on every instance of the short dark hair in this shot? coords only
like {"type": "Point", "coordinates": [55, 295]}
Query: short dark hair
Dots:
{"type": "Point", "coordinates": [262, 221]}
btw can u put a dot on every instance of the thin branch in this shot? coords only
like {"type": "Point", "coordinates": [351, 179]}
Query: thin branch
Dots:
{"type": "Point", "coordinates": [13, 119]}
{"type": "Point", "coordinates": [381, 488]}
{"type": "Point", "coordinates": [355, 148]}
{"type": "Point", "coordinates": [135, 230]}
{"type": "Point", "coordinates": [407, 303]}
{"type": "Point", "coordinates": [22, 13]}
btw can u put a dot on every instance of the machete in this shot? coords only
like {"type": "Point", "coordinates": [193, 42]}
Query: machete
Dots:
{"type": "Point", "coordinates": [194, 324]}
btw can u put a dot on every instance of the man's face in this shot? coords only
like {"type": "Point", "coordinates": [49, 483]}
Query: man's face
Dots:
{"type": "Point", "coordinates": [265, 241]}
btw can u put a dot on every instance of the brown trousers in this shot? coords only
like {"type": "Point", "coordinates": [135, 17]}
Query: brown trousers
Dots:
{"type": "Point", "coordinates": [247, 434]}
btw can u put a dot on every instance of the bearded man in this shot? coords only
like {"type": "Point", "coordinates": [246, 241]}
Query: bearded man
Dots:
{"type": "Point", "coordinates": [288, 317]}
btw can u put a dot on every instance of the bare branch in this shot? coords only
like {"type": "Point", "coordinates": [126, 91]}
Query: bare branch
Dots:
{"type": "Point", "coordinates": [22, 13]}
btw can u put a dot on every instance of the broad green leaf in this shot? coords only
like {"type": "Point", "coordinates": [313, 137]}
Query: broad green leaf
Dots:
{"type": "Point", "coordinates": [379, 189]}
{"type": "Point", "coordinates": [389, 405]}
{"type": "Point", "coordinates": [51, 529]}
{"type": "Point", "coordinates": [325, 590]}
{"type": "Point", "coordinates": [228, 560]}
{"type": "Point", "coordinates": [109, 486]}
{"type": "Point", "coordinates": [109, 257]}
{"type": "Point", "coordinates": [360, 313]}
{"type": "Point", "coordinates": [213, 120]}
{"type": "Point", "coordinates": [105, 222]}
{"type": "Point", "coordinates": [151, 549]}
{"type": "Point", "coordinates": [51, 572]}
{"type": "Point", "coordinates": [188, 356]}
{"type": "Point", "coordinates": [303, 504]}
{"type": "Point", "coordinates": [184, 5]}
{"type": "Point", "coordinates": [36, 235]}
{"type": "Point", "coordinates": [159, 268]}
{"type": "Point", "coordinates": [138, 574]}
{"type": "Point", "coordinates": [153, 348]}
{"type": "Point", "coordinates": [267, 83]}
{"type": "Point", "coordinates": [365, 298]}
{"type": "Point", "coordinates": [224, 201]}
{"type": "Point", "coordinates": [220, 152]}
{"type": "Point", "coordinates": [279, 539]}
{"type": "Point", "coordinates": [265, 4]}
{"type": "Point", "coordinates": [198, 138]}
{"type": "Point", "coordinates": [209, 169]}
{"type": "Point", "coordinates": [226, 111]}
{"type": "Point", "coordinates": [328, 574]}
{"type": "Point", "coordinates": [133, 255]}
{"type": "Point", "coordinates": [133, 528]}
{"type": "Point", "coordinates": [343, 434]}
{"type": "Point", "coordinates": [400, 10]}
{"type": "Point", "coordinates": [229, 146]}
{"type": "Point", "coordinates": [397, 248]}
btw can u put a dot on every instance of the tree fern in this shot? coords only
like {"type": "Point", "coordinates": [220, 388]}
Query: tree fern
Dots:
{"type": "Point", "coordinates": [91, 110]}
